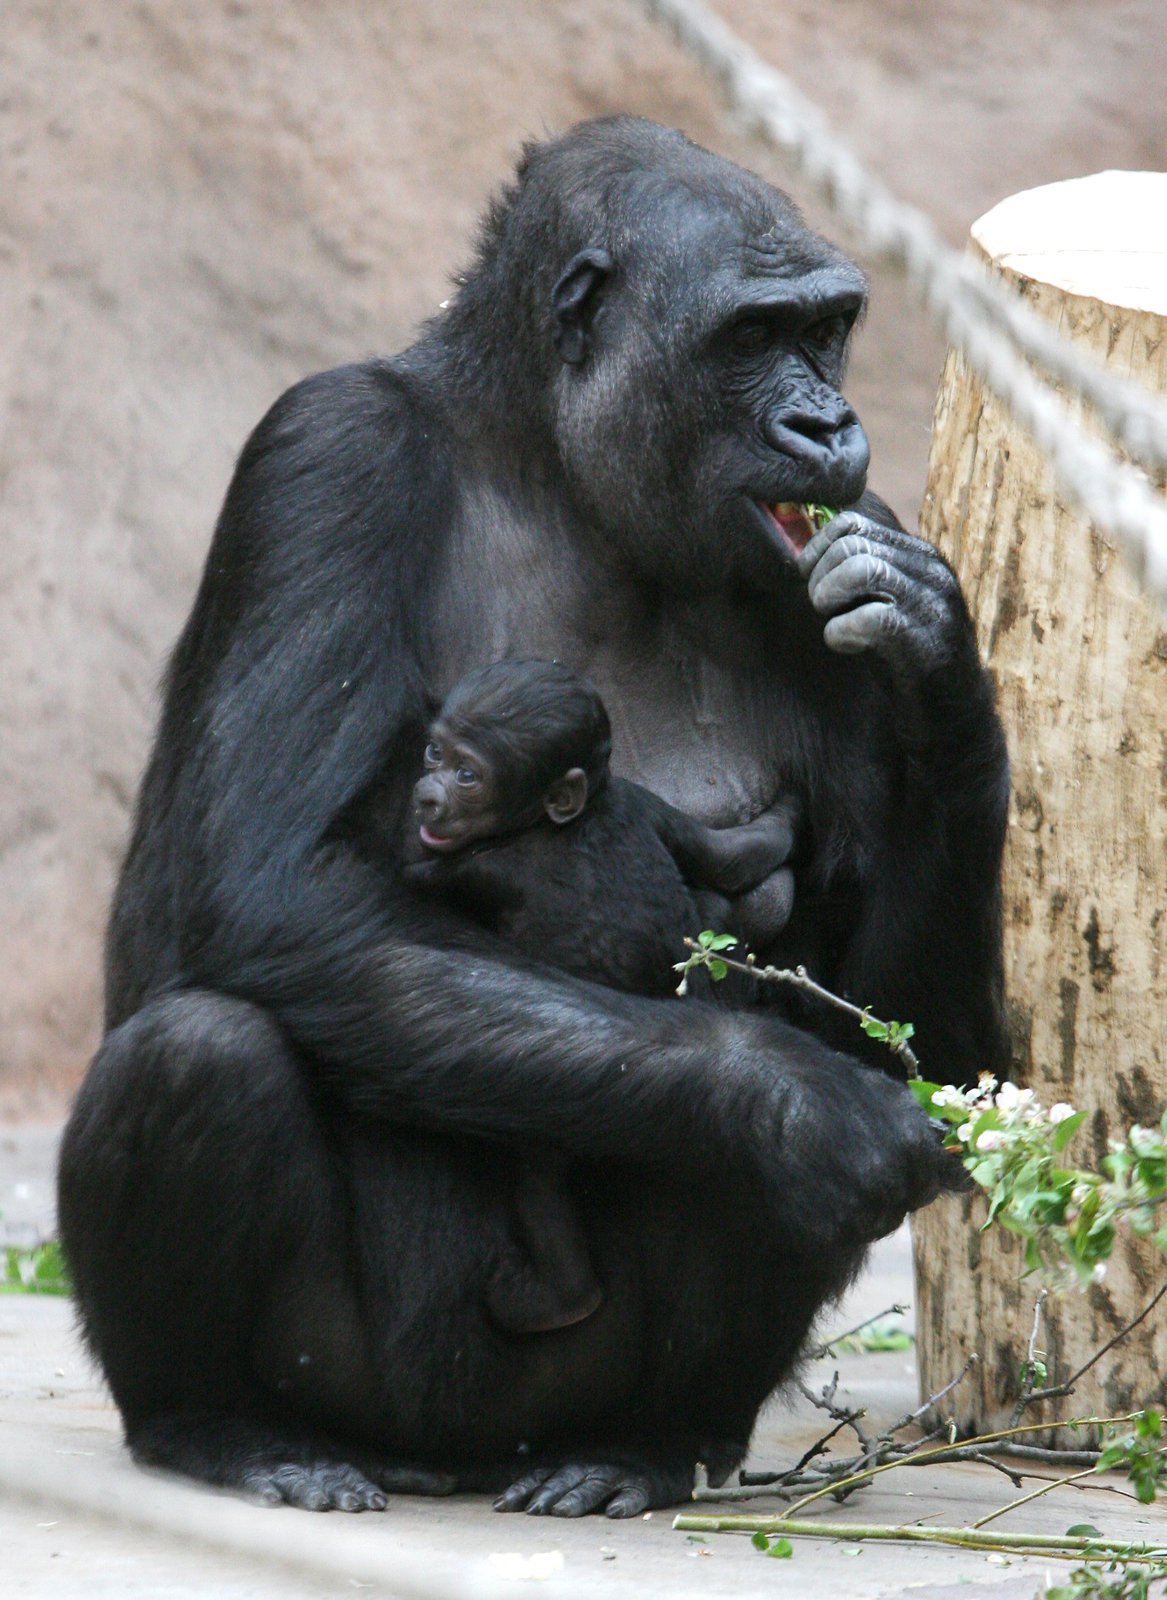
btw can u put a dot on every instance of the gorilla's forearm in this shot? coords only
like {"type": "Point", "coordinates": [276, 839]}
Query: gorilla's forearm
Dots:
{"type": "Point", "coordinates": [481, 1044]}
{"type": "Point", "coordinates": [933, 905]}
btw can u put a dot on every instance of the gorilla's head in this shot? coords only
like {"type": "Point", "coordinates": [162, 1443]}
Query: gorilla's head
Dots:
{"type": "Point", "coordinates": [680, 334]}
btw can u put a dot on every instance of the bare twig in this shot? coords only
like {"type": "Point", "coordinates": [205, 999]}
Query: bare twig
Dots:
{"type": "Point", "coordinates": [1048, 1544]}
{"type": "Point", "coordinates": [942, 1451]}
{"type": "Point", "coordinates": [934, 1399]}
{"type": "Point", "coordinates": [825, 1401]}
{"type": "Point", "coordinates": [1056, 1391]}
{"type": "Point", "coordinates": [1053, 1458]}
{"type": "Point", "coordinates": [799, 978]}
{"type": "Point", "coordinates": [1034, 1494]}
{"type": "Point", "coordinates": [1027, 1391]}
{"type": "Point", "coordinates": [821, 1350]}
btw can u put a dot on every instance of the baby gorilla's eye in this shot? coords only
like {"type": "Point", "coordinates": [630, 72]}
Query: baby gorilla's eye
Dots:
{"type": "Point", "coordinates": [433, 754]}
{"type": "Point", "coordinates": [466, 777]}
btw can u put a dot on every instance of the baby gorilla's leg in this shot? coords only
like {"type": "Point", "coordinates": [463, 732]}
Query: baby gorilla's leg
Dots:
{"type": "Point", "coordinates": [544, 1279]}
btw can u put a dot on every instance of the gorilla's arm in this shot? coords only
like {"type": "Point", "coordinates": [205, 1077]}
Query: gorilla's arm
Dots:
{"type": "Point", "coordinates": [927, 948]}
{"type": "Point", "coordinates": [295, 681]}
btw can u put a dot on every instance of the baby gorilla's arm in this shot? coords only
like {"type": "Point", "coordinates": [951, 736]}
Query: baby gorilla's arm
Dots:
{"type": "Point", "coordinates": [731, 860]}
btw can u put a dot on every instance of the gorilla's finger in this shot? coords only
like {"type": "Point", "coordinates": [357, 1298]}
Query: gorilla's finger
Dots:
{"type": "Point", "coordinates": [632, 1499]}
{"type": "Point", "coordinates": [516, 1497]}
{"type": "Point", "coordinates": [861, 576]}
{"type": "Point", "coordinates": [863, 628]}
{"type": "Point", "coordinates": [561, 1482]}
{"type": "Point", "coordinates": [592, 1492]}
{"type": "Point", "coordinates": [915, 560]}
{"type": "Point", "coordinates": [847, 522]}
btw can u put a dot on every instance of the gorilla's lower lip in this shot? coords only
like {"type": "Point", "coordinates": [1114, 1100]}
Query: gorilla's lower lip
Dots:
{"type": "Point", "coordinates": [435, 841]}
{"type": "Point", "coordinates": [792, 523]}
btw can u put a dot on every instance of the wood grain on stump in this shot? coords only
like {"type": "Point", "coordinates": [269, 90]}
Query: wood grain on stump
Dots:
{"type": "Point", "coordinates": [1079, 657]}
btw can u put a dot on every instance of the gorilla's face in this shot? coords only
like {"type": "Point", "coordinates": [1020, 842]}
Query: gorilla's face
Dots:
{"type": "Point", "coordinates": [699, 402]}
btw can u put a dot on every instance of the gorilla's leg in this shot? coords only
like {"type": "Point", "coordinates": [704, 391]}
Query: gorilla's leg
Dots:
{"type": "Point", "coordinates": [726, 1310]}
{"type": "Point", "coordinates": [201, 1211]}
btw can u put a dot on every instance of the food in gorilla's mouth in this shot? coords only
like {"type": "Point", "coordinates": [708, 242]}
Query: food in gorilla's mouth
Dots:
{"type": "Point", "coordinates": [798, 523]}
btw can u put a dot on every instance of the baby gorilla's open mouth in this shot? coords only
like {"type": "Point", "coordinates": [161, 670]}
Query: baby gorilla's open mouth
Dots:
{"type": "Point", "coordinates": [436, 841]}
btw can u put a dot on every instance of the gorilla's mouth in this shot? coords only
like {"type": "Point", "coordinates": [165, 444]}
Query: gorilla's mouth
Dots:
{"type": "Point", "coordinates": [792, 522]}
{"type": "Point", "coordinates": [436, 841]}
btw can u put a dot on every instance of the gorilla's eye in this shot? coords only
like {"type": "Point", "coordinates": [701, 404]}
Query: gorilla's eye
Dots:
{"type": "Point", "coordinates": [751, 336]}
{"type": "Point", "coordinates": [827, 334]}
{"type": "Point", "coordinates": [433, 754]}
{"type": "Point", "coordinates": [465, 777]}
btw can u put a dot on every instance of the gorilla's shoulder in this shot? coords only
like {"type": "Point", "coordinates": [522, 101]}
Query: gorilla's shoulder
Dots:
{"type": "Point", "coordinates": [363, 403]}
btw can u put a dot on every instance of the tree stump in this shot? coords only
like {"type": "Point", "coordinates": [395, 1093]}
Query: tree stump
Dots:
{"type": "Point", "coordinates": [1079, 657]}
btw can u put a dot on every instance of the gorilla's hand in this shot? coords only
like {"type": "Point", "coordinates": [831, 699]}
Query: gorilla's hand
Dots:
{"type": "Point", "coordinates": [858, 1153]}
{"type": "Point", "coordinates": [887, 591]}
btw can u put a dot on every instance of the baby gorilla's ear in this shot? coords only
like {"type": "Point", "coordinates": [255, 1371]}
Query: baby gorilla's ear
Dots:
{"type": "Point", "coordinates": [567, 796]}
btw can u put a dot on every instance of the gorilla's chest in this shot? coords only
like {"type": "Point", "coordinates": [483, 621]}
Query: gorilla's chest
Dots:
{"type": "Point", "coordinates": [705, 710]}
{"type": "Point", "coordinates": [698, 739]}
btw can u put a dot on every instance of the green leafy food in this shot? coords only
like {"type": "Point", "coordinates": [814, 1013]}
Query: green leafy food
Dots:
{"type": "Point", "coordinates": [39, 1269]}
{"type": "Point", "coordinates": [781, 1548]}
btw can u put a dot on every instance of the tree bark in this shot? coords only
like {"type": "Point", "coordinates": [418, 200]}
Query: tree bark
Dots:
{"type": "Point", "coordinates": [1079, 657]}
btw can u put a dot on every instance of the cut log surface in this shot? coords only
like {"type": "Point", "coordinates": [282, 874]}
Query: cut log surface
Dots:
{"type": "Point", "coordinates": [1079, 657]}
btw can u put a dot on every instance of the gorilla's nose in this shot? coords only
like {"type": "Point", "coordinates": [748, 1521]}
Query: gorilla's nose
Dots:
{"type": "Point", "coordinates": [830, 448]}
{"type": "Point", "coordinates": [427, 799]}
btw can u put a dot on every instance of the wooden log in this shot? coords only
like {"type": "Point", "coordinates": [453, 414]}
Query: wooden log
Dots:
{"type": "Point", "coordinates": [1079, 657]}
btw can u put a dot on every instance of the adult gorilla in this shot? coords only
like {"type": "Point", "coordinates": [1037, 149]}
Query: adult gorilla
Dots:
{"type": "Point", "coordinates": [293, 1156]}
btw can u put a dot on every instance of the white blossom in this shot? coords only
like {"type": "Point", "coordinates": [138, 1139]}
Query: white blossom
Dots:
{"type": "Point", "coordinates": [964, 1132]}
{"type": "Point", "coordinates": [1060, 1112]}
{"type": "Point", "coordinates": [949, 1096]}
{"type": "Point", "coordinates": [991, 1139]}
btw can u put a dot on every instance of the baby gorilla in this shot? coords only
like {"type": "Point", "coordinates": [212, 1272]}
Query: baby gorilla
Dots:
{"type": "Point", "coordinates": [525, 831]}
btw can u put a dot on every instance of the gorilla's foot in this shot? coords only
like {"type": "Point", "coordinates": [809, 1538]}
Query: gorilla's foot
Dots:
{"type": "Point", "coordinates": [277, 1468]}
{"type": "Point", "coordinates": [619, 1488]}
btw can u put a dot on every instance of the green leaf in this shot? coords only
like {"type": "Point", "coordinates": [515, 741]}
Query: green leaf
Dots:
{"type": "Point", "coordinates": [873, 1028]}
{"type": "Point", "coordinates": [717, 970]}
{"type": "Point", "coordinates": [782, 1548]}
{"type": "Point", "coordinates": [923, 1092]}
{"type": "Point", "coordinates": [722, 941]}
{"type": "Point", "coordinates": [759, 1540]}
{"type": "Point", "coordinates": [1083, 1530]}
{"type": "Point", "coordinates": [1066, 1130]}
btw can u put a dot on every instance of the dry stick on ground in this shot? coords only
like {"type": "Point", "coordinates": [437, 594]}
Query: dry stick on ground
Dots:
{"type": "Point", "coordinates": [884, 1446]}
{"type": "Point", "coordinates": [1065, 1547]}
{"type": "Point", "coordinates": [1034, 1494]}
{"type": "Point", "coordinates": [1059, 1546]}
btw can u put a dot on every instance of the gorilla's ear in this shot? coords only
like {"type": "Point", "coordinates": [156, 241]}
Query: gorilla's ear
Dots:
{"type": "Point", "coordinates": [575, 301]}
{"type": "Point", "coordinates": [567, 796]}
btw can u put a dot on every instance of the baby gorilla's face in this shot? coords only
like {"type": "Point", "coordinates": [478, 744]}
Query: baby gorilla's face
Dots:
{"type": "Point", "coordinates": [457, 798]}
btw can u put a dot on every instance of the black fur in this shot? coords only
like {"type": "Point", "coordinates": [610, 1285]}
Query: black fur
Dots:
{"type": "Point", "coordinates": [285, 1170]}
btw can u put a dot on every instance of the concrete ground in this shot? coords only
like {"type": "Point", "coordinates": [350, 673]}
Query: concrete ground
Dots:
{"type": "Point", "coordinates": [78, 1519]}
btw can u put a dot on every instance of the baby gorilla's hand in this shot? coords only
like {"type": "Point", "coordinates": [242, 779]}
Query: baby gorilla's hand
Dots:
{"type": "Point", "coordinates": [762, 913]}
{"type": "Point", "coordinates": [752, 853]}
